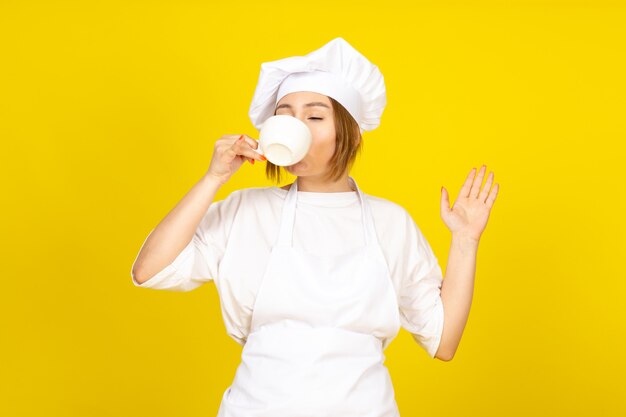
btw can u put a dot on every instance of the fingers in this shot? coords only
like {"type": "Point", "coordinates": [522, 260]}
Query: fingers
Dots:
{"type": "Point", "coordinates": [233, 149]}
{"type": "Point", "coordinates": [254, 144]}
{"type": "Point", "coordinates": [485, 191]}
{"type": "Point", "coordinates": [492, 196]}
{"type": "Point", "coordinates": [236, 147]}
{"type": "Point", "coordinates": [445, 201]}
{"type": "Point", "coordinates": [478, 181]}
{"type": "Point", "coordinates": [245, 148]}
{"type": "Point", "coordinates": [465, 190]}
{"type": "Point", "coordinates": [472, 186]}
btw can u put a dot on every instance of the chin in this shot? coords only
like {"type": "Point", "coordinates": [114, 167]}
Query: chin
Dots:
{"type": "Point", "coordinates": [298, 167]}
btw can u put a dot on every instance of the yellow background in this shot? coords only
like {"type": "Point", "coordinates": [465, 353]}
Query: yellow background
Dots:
{"type": "Point", "coordinates": [108, 116]}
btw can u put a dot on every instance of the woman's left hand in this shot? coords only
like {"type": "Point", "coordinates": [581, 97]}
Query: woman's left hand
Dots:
{"type": "Point", "coordinates": [470, 212]}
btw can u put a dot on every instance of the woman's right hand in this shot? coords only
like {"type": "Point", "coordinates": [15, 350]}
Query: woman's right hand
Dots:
{"type": "Point", "coordinates": [229, 153]}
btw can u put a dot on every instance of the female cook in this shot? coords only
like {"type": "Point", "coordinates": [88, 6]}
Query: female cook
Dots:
{"type": "Point", "coordinates": [316, 278]}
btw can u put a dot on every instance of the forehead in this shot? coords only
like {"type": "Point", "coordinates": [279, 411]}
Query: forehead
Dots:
{"type": "Point", "coordinates": [304, 99]}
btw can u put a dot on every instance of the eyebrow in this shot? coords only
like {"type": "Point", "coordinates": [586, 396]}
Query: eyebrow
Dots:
{"type": "Point", "coordinates": [315, 103]}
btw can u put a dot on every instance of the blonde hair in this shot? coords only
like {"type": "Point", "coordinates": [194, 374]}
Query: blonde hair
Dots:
{"type": "Point", "coordinates": [348, 144]}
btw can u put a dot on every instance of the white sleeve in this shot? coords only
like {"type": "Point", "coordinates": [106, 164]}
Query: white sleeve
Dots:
{"type": "Point", "coordinates": [199, 261]}
{"type": "Point", "coordinates": [421, 308]}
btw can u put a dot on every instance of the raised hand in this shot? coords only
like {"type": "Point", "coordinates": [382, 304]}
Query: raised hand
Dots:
{"type": "Point", "coordinates": [229, 153]}
{"type": "Point", "coordinates": [470, 212]}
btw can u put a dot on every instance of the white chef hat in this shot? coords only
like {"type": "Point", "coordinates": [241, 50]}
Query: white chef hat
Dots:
{"type": "Point", "coordinates": [336, 70]}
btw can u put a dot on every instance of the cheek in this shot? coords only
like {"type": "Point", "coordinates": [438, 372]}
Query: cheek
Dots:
{"type": "Point", "coordinates": [323, 140]}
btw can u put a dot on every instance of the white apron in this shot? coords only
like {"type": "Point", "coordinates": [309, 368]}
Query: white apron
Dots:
{"type": "Point", "coordinates": [318, 331]}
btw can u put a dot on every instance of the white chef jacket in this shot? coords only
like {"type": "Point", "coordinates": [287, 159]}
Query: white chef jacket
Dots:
{"type": "Point", "coordinates": [247, 222]}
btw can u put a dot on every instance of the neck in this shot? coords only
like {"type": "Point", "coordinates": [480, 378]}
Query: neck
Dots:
{"type": "Point", "coordinates": [317, 184]}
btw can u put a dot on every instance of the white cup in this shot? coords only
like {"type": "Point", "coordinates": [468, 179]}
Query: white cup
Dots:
{"type": "Point", "coordinates": [284, 140]}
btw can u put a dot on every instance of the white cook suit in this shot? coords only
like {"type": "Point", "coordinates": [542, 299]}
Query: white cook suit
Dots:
{"type": "Point", "coordinates": [314, 325]}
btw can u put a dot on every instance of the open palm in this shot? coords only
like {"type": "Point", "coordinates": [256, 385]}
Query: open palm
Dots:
{"type": "Point", "coordinates": [470, 212]}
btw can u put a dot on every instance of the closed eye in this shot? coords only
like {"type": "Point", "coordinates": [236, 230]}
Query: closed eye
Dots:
{"type": "Point", "coordinates": [315, 118]}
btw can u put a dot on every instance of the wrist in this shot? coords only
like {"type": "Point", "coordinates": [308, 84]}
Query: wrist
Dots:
{"type": "Point", "coordinates": [464, 240]}
{"type": "Point", "coordinates": [213, 179]}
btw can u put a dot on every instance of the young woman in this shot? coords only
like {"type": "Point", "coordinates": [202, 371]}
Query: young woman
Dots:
{"type": "Point", "coordinates": [316, 278]}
